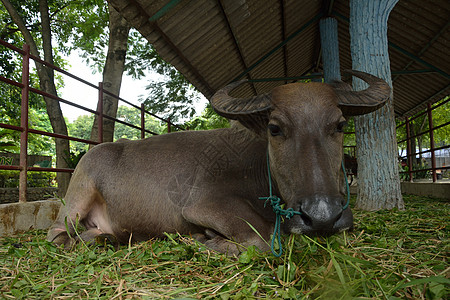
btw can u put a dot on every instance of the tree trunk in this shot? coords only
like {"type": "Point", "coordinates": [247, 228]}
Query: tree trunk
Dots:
{"type": "Point", "coordinates": [112, 72]}
{"type": "Point", "coordinates": [378, 176]}
{"type": "Point", "coordinates": [47, 84]}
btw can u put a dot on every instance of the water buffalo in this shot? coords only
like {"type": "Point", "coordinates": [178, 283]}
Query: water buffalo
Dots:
{"type": "Point", "coordinates": [207, 183]}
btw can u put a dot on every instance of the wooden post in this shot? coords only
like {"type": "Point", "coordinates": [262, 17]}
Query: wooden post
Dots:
{"type": "Point", "coordinates": [377, 151]}
{"type": "Point", "coordinates": [24, 124]}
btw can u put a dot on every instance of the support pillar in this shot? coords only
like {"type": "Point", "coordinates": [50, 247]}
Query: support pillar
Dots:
{"type": "Point", "coordinates": [330, 49]}
{"type": "Point", "coordinates": [378, 175]}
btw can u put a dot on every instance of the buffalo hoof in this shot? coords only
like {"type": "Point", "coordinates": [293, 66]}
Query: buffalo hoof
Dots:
{"type": "Point", "coordinates": [64, 239]}
{"type": "Point", "coordinates": [104, 239]}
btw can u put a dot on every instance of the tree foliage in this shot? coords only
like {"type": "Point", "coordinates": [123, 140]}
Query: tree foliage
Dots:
{"type": "Point", "coordinates": [81, 127]}
{"type": "Point", "coordinates": [171, 95]}
{"type": "Point", "coordinates": [132, 116]}
{"type": "Point", "coordinates": [209, 119]}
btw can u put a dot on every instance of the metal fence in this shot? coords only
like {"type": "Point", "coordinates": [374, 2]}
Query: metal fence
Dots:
{"type": "Point", "coordinates": [431, 162]}
{"type": "Point", "coordinates": [25, 129]}
{"type": "Point", "coordinates": [412, 153]}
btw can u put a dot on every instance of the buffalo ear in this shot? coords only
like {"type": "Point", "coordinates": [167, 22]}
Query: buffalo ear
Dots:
{"type": "Point", "coordinates": [353, 103]}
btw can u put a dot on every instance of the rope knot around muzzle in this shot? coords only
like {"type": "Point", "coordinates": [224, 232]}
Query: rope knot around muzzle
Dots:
{"type": "Point", "coordinates": [275, 203]}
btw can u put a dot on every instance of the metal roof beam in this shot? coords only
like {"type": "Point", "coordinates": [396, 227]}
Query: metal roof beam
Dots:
{"type": "Point", "coordinates": [425, 48]}
{"type": "Point", "coordinates": [411, 72]}
{"type": "Point", "coordinates": [406, 113]}
{"type": "Point", "coordinates": [327, 7]}
{"type": "Point", "coordinates": [164, 10]}
{"type": "Point", "coordinates": [280, 45]}
{"type": "Point", "coordinates": [419, 60]}
{"type": "Point", "coordinates": [283, 33]}
{"type": "Point", "coordinates": [320, 75]}
{"type": "Point", "coordinates": [236, 44]}
{"type": "Point", "coordinates": [403, 51]}
{"type": "Point", "coordinates": [294, 78]}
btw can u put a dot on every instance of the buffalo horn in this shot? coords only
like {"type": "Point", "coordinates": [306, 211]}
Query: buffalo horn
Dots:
{"type": "Point", "coordinates": [354, 103]}
{"type": "Point", "coordinates": [233, 108]}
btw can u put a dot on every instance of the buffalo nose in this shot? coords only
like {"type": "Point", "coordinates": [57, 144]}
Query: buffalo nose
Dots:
{"type": "Point", "coordinates": [322, 215]}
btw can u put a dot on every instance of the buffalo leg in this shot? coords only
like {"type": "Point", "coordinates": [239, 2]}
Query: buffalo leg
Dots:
{"type": "Point", "coordinates": [226, 227]}
{"type": "Point", "coordinates": [84, 205]}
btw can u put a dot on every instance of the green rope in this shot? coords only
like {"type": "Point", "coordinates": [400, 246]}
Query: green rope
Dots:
{"type": "Point", "coordinates": [288, 213]}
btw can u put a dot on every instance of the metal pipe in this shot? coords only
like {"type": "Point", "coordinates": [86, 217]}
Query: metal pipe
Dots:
{"type": "Point", "coordinates": [100, 112]}
{"type": "Point", "coordinates": [164, 10]}
{"type": "Point", "coordinates": [427, 131]}
{"type": "Point", "coordinates": [61, 136]}
{"type": "Point", "coordinates": [12, 127]}
{"type": "Point", "coordinates": [24, 124]}
{"type": "Point", "coordinates": [142, 121]}
{"type": "Point", "coordinates": [408, 149]}
{"type": "Point", "coordinates": [433, 155]}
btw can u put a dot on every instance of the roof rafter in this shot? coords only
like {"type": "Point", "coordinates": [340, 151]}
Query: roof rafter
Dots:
{"type": "Point", "coordinates": [422, 51]}
{"type": "Point", "coordinates": [276, 48]}
{"type": "Point", "coordinates": [404, 52]}
{"type": "Point", "coordinates": [283, 34]}
{"type": "Point", "coordinates": [417, 107]}
{"type": "Point", "coordinates": [236, 44]}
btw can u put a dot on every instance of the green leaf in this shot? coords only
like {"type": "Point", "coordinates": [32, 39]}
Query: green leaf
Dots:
{"type": "Point", "coordinates": [432, 279]}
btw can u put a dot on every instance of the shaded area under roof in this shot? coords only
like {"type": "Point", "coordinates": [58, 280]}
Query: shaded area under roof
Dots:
{"type": "Point", "coordinates": [271, 42]}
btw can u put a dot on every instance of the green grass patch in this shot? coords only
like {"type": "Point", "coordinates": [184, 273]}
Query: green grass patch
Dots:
{"type": "Point", "coordinates": [390, 255]}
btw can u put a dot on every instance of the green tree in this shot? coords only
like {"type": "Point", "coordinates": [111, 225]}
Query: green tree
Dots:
{"type": "Point", "coordinates": [80, 128]}
{"type": "Point", "coordinates": [209, 119]}
{"type": "Point", "coordinates": [441, 116]}
{"type": "Point", "coordinates": [34, 23]}
{"type": "Point", "coordinates": [132, 116]}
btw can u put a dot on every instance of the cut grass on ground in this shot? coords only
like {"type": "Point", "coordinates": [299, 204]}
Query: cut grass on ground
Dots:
{"type": "Point", "coordinates": [390, 255]}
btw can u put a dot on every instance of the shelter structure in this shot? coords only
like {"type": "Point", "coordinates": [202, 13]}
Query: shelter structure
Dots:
{"type": "Point", "coordinates": [272, 42]}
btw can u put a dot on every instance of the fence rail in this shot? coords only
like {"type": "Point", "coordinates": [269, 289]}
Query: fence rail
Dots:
{"type": "Point", "coordinates": [411, 153]}
{"type": "Point", "coordinates": [24, 129]}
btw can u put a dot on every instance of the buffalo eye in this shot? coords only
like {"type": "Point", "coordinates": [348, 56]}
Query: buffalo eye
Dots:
{"type": "Point", "coordinates": [275, 130]}
{"type": "Point", "coordinates": [341, 126]}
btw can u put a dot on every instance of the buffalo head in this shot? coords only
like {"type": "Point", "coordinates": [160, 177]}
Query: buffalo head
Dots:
{"type": "Point", "coordinates": [303, 124]}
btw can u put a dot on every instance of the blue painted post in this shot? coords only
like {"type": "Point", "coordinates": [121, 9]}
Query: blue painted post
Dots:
{"type": "Point", "coordinates": [378, 175]}
{"type": "Point", "coordinates": [330, 49]}
{"type": "Point", "coordinates": [330, 55]}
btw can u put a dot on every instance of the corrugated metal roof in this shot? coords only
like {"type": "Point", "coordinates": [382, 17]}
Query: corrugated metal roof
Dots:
{"type": "Point", "coordinates": [213, 42]}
